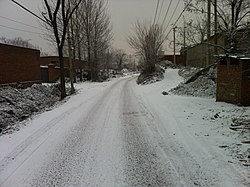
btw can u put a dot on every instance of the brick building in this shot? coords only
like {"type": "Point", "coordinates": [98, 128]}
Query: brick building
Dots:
{"type": "Point", "coordinates": [203, 55]}
{"type": "Point", "coordinates": [233, 80]}
{"type": "Point", "coordinates": [24, 65]}
{"type": "Point", "coordinates": [18, 64]}
{"type": "Point", "coordinates": [50, 67]}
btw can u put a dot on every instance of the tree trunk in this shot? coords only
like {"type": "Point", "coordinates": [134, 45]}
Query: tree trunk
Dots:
{"type": "Point", "coordinates": [89, 57]}
{"type": "Point", "coordinates": [72, 89]}
{"type": "Point", "coordinates": [62, 74]}
{"type": "Point", "coordinates": [95, 67]}
{"type": "Point", "coordinates": [79, 56]}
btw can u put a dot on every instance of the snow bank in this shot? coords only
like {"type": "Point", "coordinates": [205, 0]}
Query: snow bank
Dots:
{"type": "Point", "coordinates": [201, 87]}
{"type": "Point", "coordinates": [187, 72]}
{"type": "Point", "coordinates": [158, 75]}
{"type": "Point", "coordinates": [18, 104]}
{"type": "Point", "coordinates": [199, 82]}
{"type": "Point", "coordinates": [168, 64]}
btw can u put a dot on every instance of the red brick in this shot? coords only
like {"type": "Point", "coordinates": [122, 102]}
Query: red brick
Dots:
{"type": "Point", "coordinates": [18, 64]}
{"type": "Point", "coordinates": [233, 82]}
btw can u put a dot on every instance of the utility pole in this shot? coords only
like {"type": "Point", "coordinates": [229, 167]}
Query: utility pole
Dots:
{"type": "Point", "coordinates": [134, 65]}
{"type": "Point", "coordinates": [184, 34]}
{"type": "Point", "coordinates": [215, 28]}
{"type": "Point", "coordinates": [208, 30]}
{"type": "Point", "coordinates": [107, 64]}
{"type": "Point", "coordinates": [208, 19]}
{"type": "Point", "coordinates": [72, 90]}
{"type": "Point", "coordinates": [174, 29]}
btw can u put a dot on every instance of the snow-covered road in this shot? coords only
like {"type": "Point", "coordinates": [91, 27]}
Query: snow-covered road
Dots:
{"type": "Point", "coordinates": [114, 134]}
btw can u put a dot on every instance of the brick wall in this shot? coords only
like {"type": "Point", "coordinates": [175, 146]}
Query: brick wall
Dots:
{"type": "Point", "coordinates": [54, 67]}
{"type": "Point", "coordinates": [245, 90]}
{"type": "Point", "coordinates": [233, 81]}
{"type": "Point", "coordinates": [55, 60]}
{"type": "Point", "coordinates": [53, 73]}
{"type": "Point", "coordinates": [18, 64]}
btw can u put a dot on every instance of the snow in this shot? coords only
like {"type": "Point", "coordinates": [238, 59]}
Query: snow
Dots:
{"type": "Point", "coordinates": [118, 133]}
{"type": "Point", "coordinates": [239, 56]}
{"type": "Point", "coordinates": [202, 125]}
{"type": "Point", "coordinates": [18, 104]}
{"type": "Point", "coordinates": [203, 86]}
{"type": "Point", "coordinates": [44, 67]}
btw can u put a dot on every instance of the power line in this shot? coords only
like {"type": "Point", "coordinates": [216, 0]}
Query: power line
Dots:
{"type": "Point", "coordinates": [173, 13]}
{"type": "Point", "coordinates": [166, 13]}
{"type": "Point", "coordinates": [191, 14]}
{"type": "Point", "coordinates": [156, 11]}
{"type": "Point", "coordinates": [183, 11]}
{"type": "Point", "coordinates": [20, 30]}
{"type": "Point", "coordinates": [19, 22]}
{"type": "Point", "coordinates": [29, 11]}
{"type": "Point", "coordinates": [179, 16]}
{"type": "Point", "coordinates": [162, 3]}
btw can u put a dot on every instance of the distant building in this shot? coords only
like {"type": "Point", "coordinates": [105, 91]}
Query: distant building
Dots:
{"type": "Point", "coordinates": [24, 65]}
{"type": "Point", "coordinates": [197, 55]}
{"type": "Point", "coordinates": [50, 67]}
{"type": "Point", "coordinates": [179, 59]}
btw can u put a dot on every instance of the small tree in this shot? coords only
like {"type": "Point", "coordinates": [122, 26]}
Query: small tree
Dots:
{"type": "Point", "coordinates": [147, 41]}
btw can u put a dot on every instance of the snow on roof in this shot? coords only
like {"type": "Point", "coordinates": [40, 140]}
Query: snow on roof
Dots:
{"type": "Point", "coordinates": [43, 66]}
{"type": "Point", "coordinates": [238, 56]}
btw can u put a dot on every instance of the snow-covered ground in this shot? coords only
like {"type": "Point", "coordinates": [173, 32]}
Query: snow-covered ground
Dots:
{"type": "Point", "coordinates": [19, 104]}
{"type": "Point", "coordinates": [119, 133]}
{"type": "Point", "coordinates": [200, 130]}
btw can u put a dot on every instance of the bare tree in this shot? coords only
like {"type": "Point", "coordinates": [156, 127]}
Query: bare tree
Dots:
{"type": "Point", "coordinates": [97, 32]}
{"type": "Point", "coordinates": [56, 11]}
{"type": "Point", "coordinates": [147, 41]}
{"type": "Point", "coordinates": [233, 16]}
{"type": "Point", "coordinates": [18, 41]}
{"type": "Point", "coordinates": [195, 32]}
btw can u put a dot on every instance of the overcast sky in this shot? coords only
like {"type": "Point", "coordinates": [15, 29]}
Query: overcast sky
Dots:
{"type": "Point", "coordinates": [123, 13]}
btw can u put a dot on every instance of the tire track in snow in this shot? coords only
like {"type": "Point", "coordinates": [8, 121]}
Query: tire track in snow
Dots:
{"type": "Point", "coordinates": [32, 143]}
{"type": "Point", "coordinates": [196, 164]}
{"type": "Point", "coordinates": [77, 161]}
{"type": "Point", "coordinates": [144, 165]}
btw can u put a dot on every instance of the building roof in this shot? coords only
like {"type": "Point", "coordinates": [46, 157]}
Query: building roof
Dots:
{"type": "Point", "coordinates": [238, 56]}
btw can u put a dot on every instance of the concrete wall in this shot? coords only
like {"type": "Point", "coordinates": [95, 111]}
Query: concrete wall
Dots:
{"type": "Point", "coordinates": [197, 56]}
{"type": "Point", "coordinates": [18, 64]}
